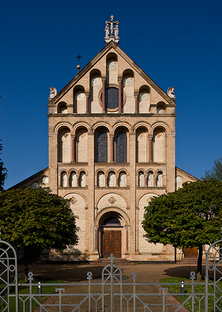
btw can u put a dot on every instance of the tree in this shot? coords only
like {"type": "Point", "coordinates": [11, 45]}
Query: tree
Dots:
{"type": "Point", "coordinates": [191, 216]}
{"type": "Point", "coordinates": [36, 218]}
{"type": "Point", "coordinates": [3, 170]}
{"type": "Point", "coordinates": [216, 172]}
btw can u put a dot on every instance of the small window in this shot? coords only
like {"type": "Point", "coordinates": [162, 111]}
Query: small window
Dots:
{"type": "Point", "coordinates": [122, 179]}
{"type": "Point", "coordinates": [141, 179]}
{"type": "Point", "coordinates": [45, 180]}
{"type": "Point", "coordinates": [64, 179]}
{"type": "Point", "coordinates": [82, 179]}
{"type": "Point", "coordinates": [63, 108]}
{"type": "Point", "coordinates": [159, 179]}
{"type": "Point", "coordinates": [101, 179]}
{"type": "Point", "coordinates": [112, 177]}
{"type": "Point", "coordinates": [73, 179]}
{"type": "Point", "coordinates": [35, 185]}
{"type": "Point", "coordinates": [150, 179]}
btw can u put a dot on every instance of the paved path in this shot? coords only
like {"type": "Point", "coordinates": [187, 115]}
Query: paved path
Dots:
{"type": "Point", "coordinates": [78, 273]}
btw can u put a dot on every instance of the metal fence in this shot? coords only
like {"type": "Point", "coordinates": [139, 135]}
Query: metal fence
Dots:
{"type": "Point", "coordinates": [111, 292]}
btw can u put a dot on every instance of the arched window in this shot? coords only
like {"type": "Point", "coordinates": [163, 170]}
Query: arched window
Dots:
{"type": "Point", "coordinates": [121, 147]}
{"type": "Point", "coordinates": [73, 179]}
{"type": "Point", "coordinates": [82, 179]}
{"type": "Point", "coordinates": [101, 179]}
{"type": "Point", "coordinates": [112, 179]}
{"type": "Point", "coordinates": [150, 179]}
{"type": "Point", "coordinates": [159, 179]}
{"type": "Point", "coordinates": [64, 142]}
{"type": "Point", "coordinates": [64, 179]}
{"type": "Point", "coordinates": [81, 145]}
{"type": "Point", "coordinates": [178, 182]}
{"type": "Point", "coordinates": [141, 145]}
{"type": "Point", "coordinates": [160, 109]}
{"type": "Point", "coordinates": [159, 145]}
{"type": "Point", "coordinates": [122, 179]}
{"type": "Point", "coordinates": [101, 147]}
{"type": "Point", "coordinates": [35, 185]}
{"type": "Point", "coordinates": [111, 221]}
{"type": "Point", "coordinates": [62, 108]}
{"type": "Point", "coordinates": [141, 179]}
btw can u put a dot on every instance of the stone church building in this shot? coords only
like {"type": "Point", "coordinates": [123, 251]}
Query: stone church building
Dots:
{"type": "Point", "coordinates": [111, 149]}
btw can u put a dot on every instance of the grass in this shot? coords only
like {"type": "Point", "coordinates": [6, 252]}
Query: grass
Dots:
{"type": "Point", "coordinates": [199, 300]}
{"type": "Point", "coordinates": [24, 301]}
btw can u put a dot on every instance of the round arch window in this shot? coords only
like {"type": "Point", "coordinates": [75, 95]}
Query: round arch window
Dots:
{"type": "Point", "coordinates": [111, 221]}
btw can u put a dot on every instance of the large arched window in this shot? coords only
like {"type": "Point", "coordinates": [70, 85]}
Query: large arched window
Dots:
{"type": "Point", "coordinates": [141, 145]}
{"type": "Point", "coordinates": [81, 145]}
{"type": "Point", "coordinates": [159, 145]}
{"type": "Point", "coordinates": [121, 147]}
{"type": "Point", "coordinates": [101, 147]}
{"type": "Point", "coordinates": [112, 98]}
{"type": "Point", "coordinates": [64, 142]}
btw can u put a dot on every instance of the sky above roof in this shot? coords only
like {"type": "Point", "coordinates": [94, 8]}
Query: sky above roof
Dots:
{"type": "Point", "coordinates": [176, 43]}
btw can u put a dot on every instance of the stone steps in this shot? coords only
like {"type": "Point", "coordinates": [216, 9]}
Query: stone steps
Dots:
{"type": "Point", "coordinates": [117, 261]}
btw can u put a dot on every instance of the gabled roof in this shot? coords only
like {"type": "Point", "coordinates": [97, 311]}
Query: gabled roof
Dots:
{"type": "Point", "coordinates": [103, 52]}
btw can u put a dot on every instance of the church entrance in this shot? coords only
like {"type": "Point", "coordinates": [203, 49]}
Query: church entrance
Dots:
{"type": "Point", "coordinates": [111, 237]}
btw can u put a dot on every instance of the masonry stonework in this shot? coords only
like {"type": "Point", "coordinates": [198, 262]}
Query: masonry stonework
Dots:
{"type": "Point", "coordinates": [111, 149]}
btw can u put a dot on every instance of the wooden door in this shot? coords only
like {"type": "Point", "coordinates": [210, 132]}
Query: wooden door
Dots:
{"type": "Point", "coordinates": [190, 252]}
{"type": "Point", "coordinates": [111, 244]}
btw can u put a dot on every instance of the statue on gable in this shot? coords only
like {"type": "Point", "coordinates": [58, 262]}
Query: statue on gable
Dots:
{"type": "Point", "coordinates": [111, 31]}
{"type": "Point", "coordinates": [170, 93]}
{"type": "Point", "coordinates": [53, 93]}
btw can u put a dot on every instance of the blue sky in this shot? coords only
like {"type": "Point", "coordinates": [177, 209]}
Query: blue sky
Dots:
{"type": "Point", "coordinates": [177, 43]}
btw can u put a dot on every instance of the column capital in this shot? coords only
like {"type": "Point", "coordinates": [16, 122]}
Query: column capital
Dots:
{"type": "Point", "coordinates": [150, 136]}
{"type": "Point", "coordinates": [120, 78]}
{"type": "Point", "coordinates": [103, 79]}
{"type": "Point", "coordinates": [87, 94]}
{"type": "Point", "coordinates": [136, 93]}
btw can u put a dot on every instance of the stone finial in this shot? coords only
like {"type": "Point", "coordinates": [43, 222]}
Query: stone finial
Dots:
{"type": "Point", "coordinates": [170, 93]}
{"type": "Point", "coordinates": [53, 93]}
{"type": "Point", "coordinates": [111, 32]}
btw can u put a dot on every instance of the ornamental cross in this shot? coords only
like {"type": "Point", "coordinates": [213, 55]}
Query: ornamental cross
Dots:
{"type": "Point", "coordinates": [78, 57]}
{"type": "Point", "coordinates": [111, 32]}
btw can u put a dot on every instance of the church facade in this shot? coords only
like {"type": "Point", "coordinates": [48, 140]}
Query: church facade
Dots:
{"type": "Point", "coordinates": [111, 149]}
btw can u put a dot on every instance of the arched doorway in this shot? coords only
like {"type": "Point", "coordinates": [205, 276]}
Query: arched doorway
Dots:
{"type": "Point", "coordinates": [111, 235]}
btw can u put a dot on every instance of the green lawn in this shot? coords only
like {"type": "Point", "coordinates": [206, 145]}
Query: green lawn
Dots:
{"type": "Point", "coordinates": [25, 290]}
{"type": "Point", "coordinates": [199, 300]}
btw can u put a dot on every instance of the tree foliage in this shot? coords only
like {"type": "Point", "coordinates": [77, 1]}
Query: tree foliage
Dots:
{"type": "Point", "coordinates": [36, 218]}
{"type": "Point", "coordinates": [3, 170]}
{"type": "Point", "coordinates": [216, 172]}
{"type": "Point", "coordinates": [191, 216]}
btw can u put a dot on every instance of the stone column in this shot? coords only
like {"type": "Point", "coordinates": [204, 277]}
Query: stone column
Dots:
{"type": "Point", "coordinates": [73, 148]}
{"type": "Point", "coordinates": [136, 95]}
{"type": "Point", "coordinates": [150, 147]}
{"type": "Point", "coordinates": [103, 97]}
{"type": "Point", "coordinates": [96, 250]}
{"type": "Point", "coordinates": [154, 180]}
{"type": "Point", "coordinates": [106, 181]}
{"type": "Point", "coordinates": [127, 240]}
{"type": "Point", "coordinates": [145, 180]}
{"type": "Point", "coordinates": [120, 94]}
{"type": "Point", "coordinates": [117, 181]}
{"type": "Point", "coordinates": [87, 102]}
{"type": "Point", "coordinates": [111, 148]}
